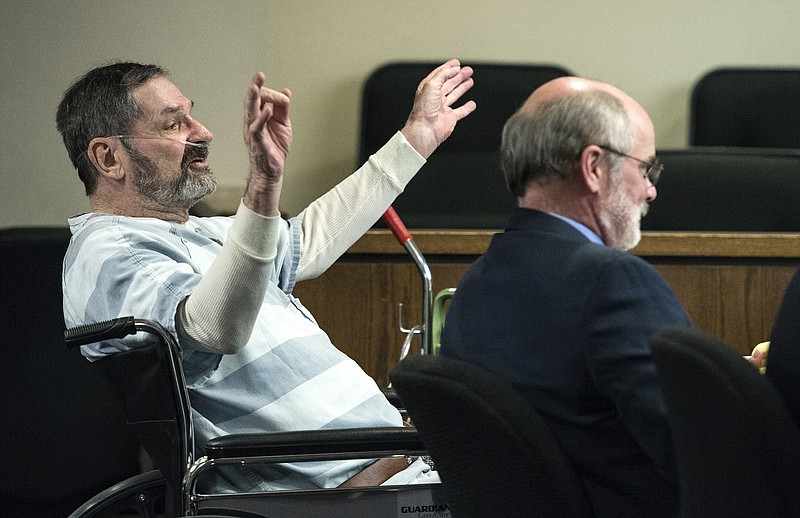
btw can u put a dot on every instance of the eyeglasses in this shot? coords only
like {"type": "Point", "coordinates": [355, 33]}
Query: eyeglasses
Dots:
{"type": "Point", "coordinates": [652, 170]}
{"type": "Point", "coordinates": [184, 142]}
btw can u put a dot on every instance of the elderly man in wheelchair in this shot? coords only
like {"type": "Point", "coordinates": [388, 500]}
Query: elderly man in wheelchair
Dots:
{"type": "Point", "coordinates": [150, 381]}
{"type": "Point", "coordinates": [253, 357]}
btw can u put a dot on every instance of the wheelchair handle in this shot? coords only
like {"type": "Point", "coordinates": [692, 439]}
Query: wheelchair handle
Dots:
{"type": "Point", "coordinates": [91, 333]}
{"type": "Point", "coordinates": [396, 225]}
{"type": "Point", "coordinates": [403, 236]}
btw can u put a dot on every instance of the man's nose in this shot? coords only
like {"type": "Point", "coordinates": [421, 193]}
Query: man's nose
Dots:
{"type": "Point", "coordinates": [651, 192]}
{"type": "Point", "coordinates": [200, 133]}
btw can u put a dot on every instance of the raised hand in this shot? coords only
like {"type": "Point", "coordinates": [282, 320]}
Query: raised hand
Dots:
{"type": "Point", "coordinates": [268, 135]}
{"type": "Point", "coordinates": [433, 118]}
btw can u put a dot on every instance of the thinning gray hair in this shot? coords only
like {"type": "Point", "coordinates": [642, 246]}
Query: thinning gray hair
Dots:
{"type": "Point", "coordinates": [99, 104]}
{"type": "Point", "coordinates": [543, 145]}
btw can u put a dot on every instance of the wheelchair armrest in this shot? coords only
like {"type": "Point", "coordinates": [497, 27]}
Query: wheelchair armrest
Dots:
{"type": "Point", "coordinates": [369, 441]}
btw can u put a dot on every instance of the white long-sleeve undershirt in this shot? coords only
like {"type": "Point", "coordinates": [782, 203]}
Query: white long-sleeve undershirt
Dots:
{"type": "Point", "coordinates": [220, 313]}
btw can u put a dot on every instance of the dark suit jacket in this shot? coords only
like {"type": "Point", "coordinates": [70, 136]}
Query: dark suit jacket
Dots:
{"type": "Point", "coordinates": [569, 323]}
{"type": "Point", "coordinates": [783, 360]}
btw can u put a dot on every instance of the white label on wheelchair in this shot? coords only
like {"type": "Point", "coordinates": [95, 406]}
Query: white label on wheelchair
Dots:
{"type": "Point", "coordinates": [414, 504]}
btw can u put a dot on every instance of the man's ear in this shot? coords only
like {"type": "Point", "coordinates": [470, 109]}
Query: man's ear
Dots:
{"type": "Point", "coordinates": [593, 167]}
{"type": "Point", "coordinates": [104, 154]}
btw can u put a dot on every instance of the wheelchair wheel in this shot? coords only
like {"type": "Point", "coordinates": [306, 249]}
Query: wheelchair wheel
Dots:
{"type": "Point", "coordinates": [143, 495]}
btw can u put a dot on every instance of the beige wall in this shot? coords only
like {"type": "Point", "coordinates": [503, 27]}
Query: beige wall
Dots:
{"type": "Point", "coordinates": [323, 50]}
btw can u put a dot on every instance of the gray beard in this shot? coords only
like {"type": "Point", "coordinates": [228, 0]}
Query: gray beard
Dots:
{"type": "Point", "coordinates": [623, 218]}
{"type": "Point", "coordinates": [185, 190]}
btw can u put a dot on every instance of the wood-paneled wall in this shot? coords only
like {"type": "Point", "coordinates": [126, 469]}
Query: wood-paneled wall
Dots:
{"type": "Point", "coordinates": [730, 284]}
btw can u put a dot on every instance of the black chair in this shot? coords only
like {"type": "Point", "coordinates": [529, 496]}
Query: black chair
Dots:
{"type": "Point", "coordinates": [784, 353]}
{"type": "Point", "coordinates": [494, 453]}
{"type": "Point", "coordinates": [751, 107]}
{"type": "Point", "coordinates": [461, 185]}
{"type": "Point", "coordinates": [737, 448]}
{"type": "Point", "coordinates": [67, 436]}
{"type": "Point", "coordinates": [727, 189]}
{"type": "Point", "coordinates": [151, 386]}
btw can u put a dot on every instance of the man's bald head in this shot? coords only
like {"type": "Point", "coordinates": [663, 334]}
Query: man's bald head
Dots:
{"type": "Point", "coordinates": [567, 85]}
{"type": "Point", "coordinates": [558, 120]}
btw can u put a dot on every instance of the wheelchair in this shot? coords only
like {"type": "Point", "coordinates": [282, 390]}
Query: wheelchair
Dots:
{"type": "Point", "coordinates": [150, 383]}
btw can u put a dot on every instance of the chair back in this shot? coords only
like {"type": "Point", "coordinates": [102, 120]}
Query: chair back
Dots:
{"type": "Point", "coordinates": [461, 185]}
{"type": "Point", "coordinates": [149, 383]}
{"type": "Point", "coordinates": [737, 448]}
{"type": "Point", "coordinates": [68, 438]}
{"type": "Point", "coordinates": [727, 189]}
{"type": "Point", "coordinates": [495, 454]}
{"type": "Point", "coordinates": [746, 106]}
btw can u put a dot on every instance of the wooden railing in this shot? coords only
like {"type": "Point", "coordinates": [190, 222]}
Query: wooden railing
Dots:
{"type": "Point", "coordinates": [731, 284]}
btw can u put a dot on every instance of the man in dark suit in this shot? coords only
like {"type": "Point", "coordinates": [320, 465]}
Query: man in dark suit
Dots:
{"type": "Point", "coordinates": [558, 307]}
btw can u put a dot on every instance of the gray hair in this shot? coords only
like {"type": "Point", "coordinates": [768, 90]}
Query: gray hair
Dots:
{"type": "Point", "coordinates": [100, 104]}
{"type": "Point", "coordinates": [544, 144]}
